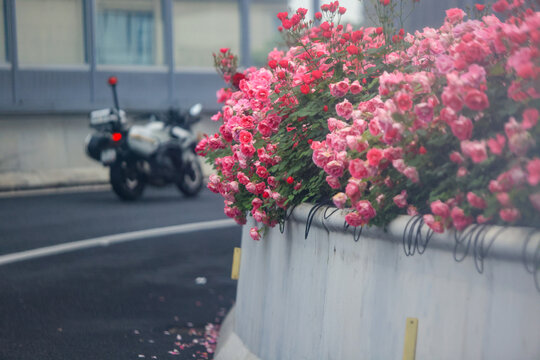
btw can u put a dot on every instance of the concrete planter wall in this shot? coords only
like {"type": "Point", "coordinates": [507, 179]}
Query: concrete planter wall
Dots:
{"type": "Point", "coordinates": [329, 297]}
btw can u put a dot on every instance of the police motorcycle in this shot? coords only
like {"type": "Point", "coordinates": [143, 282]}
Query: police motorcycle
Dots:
{"type": "Point", "coordinates": [158, 153]}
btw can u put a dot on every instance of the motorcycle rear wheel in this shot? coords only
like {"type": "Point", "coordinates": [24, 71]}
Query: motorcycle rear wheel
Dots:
{"type": "Point", "coordinates": [127, 182]}
{"type": "Point", "coordinates": [192, 177]}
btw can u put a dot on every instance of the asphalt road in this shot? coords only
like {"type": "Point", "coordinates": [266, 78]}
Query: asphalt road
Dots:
{"type": "Point", "coordinates": [144, 299]}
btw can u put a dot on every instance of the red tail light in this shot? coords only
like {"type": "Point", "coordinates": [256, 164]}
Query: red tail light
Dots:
{"type": "Point", "coordinates": [117, 136]}
{"type": "Point", "coordinates": [113, 80]}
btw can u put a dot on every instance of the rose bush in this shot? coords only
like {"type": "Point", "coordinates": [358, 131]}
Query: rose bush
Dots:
{"type": "Point", "coordinates": [442, 123]}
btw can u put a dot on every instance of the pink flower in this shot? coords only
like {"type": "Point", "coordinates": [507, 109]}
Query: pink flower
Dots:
{"type": "Point", "coordinates": [533, 168]}
{"type": "Point", "coordinates": [440, 209]}
{"type": "Point", "coordinates": [401, 199]}
{"type": "Point", "coordinates": [245, 137]}
{"type": "Point", "coordinates": [476, 100]}
{"type": "Point", "coordinates": [254, 233]}
{"type": "Point", "coordinates": [424, 112]}
{"type": "Point", "coordinates": [354, 219]}
{"type": "Point", "coordinates": [358, 169]}
{"type": "Point", "coordinates": [504, 199]}
{"type": "Point", "coordinates": [451, 99]}
{"type": "Point", "coordinates": [262, 172]}
{"type": "Point", "coordinates": [256, 203]}
{"type": "Point", "coordinates": [436, 226]}
{"type": "Point", "coordinates": [251, 188]}
{"type": "Point", "coordinates": [496, 144]}
{"type": "Point", "coordinates": [365, 211]}
{"type": "Point", "coordinates": [530, 118]}
{"type": "Point", "coordinates": [334, 168]}
{"type": "Point", "coordinates": [535, 201]}
{"type": "Point", "coordinates": [403, 101]}
{"type": "Point", "coordinates": [355, 87]}
{"type": "Point", "coordinates": [334, 124]}
{"type": "Point", "coordinates": [454, 15]}
{"type": "Point", "coordinates": [462, 128]}
{"type": "Point", "coordinates": [501, 6]}
{"type": "Point", "coordinates": [352, 190]}
{"type": "Point", "coordinates": [509, 214]}
{"type": "Point", "coordinates": [399, 165]}
{"type": "Point", "coordinates": [333, 182]}
{"type": "Point", "coordinates": [476, 201]}
{"type": "Point", "coordinates": [344, 109]}
{"type": "Point", "coordinates": [411, 173]}
{"type": "Point", "coordinates": [476, 150]}
{"type": "Point", "coordinates": [460, 220]}
{"type": "Point", "coordinates": [456, 157]}
{"type": "Point", "coordinates": [374, 156]}
{"type": "Point", "coordinates": [340, 199]}
{"type": "Point", "coordinates": [462, 171]}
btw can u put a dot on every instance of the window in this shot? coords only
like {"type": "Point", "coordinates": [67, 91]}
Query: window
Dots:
{"type": "Point", "coordinates": [264, 34]}
{"type": "Point", "coordinates": [3, 40]}
{"type": "Point", "coordinates": [129, 32]}
{"type": "Point", "coordinates": [203, 27]}
{"type": "Point", "coordinates": [50, 32]}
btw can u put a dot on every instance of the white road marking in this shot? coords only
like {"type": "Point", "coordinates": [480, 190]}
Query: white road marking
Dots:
{"type": "Point", "coordinates": [114, 239]}
{"type": "Point", "coordinates": [53, 190]}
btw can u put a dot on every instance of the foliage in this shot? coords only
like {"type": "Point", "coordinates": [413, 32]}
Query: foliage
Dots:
{"type": "Point", "coordinates": [443, 122]}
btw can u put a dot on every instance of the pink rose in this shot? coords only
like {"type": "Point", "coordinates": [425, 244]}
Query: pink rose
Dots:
{"type": "Point", "coordinates": [256, 203]}
{"type": "Point", "coordinates": [411, 173]}
{"type": "Point", "coordinates": [520, 143]}
{"type": "Point", "coordinates": [355, 87]}
{"type": "Point", "coordinates": [262, 172]}
{"type": "Point", "coordinates": [444, 64]}
{"type": "Point", "coordinates": [504, 199]}
{"type": "Point", "coordinates": [476, 150]}
{"type": "Point", "coordinates": [334, 168]}
{"type": "Point", "coordinates": [352, 190]}
{"type": "Point", "coordinates": [448, 115]}
{"type": "Point", "coordinates": [440, 209]}
{"type": "Point", "coordinates": [251, 188]}
{"type": "Point", "coordinates": [356, 143]}
{"type": "Point", "coordinates": [462, 171]}
{"type": "Point", "coordinates": [476, 100]}
{"type": "Point", "coordinates": [334, 124]}
{"type": "Point", "coordinates": [374, 127]}
{"type": "Point", "coordinates": [436, 226]}
{"type": "Point", "coordinates": [509, 214]}
{"type": "Point", "coordinates": [254, 233]}
{"type": "Point", "coordinates": [333, 182]}
{"type": "Point", "coordinates": [374, 156]}
{"type": "Point", "coordinates": [530, 118]}
{"type": "Point", "coordinates": [476, 201]}
{"type": "Point", "coordinates": [344, 109]}
{"type": "Point", "coordinates": [354, 219]}
{"type": "Point", "coordinates": [358, 169]}
{"type": "Point", "coordinates": [451, 99]}
{"type": "Point", "coordinates": [401, 199]}
{"type": "Point", "coordinates": [496, 144]}
{"type": "Point", "coordinates": [456, 157]}
{"type": "Point", "coordinates": [403, 101]}
{"type": "Point", "coordinates": [399, 165]}
{"type": "Point", "coordinates": [424, 112]}
{"type": "Point", "coordinates": [365, 211]}
{"type": "Point", "coordinates": [454, 15]}
{"type": "Point", "coordinates": [245, 137]}
{"type": "Point", "coordinates": [535, 201]}
{"type": "Point", "coordinates": [460, 220]}
{"type": "Point", "coordinates": [340, 199]}
{"type": "Point", "coordinates": [462, 128]}
{"type": "Point", "coordinates": [533, 168]}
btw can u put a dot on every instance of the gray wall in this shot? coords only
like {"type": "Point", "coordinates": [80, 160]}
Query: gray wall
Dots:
{"type": "Point", "coordinates": [329, 297]}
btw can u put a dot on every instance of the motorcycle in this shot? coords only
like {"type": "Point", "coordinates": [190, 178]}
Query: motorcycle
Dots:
{"type": "Point", "coordinates": [158, 153]}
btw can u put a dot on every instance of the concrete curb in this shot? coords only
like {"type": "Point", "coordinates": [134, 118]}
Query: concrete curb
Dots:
{"type": "Point", "coordinates": [230, 346]}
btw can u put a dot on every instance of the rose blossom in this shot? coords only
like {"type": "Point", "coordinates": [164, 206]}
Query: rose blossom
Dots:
{"type": "Point", "coordinates": [476, 201]}
{"type": "Point", "coordinates": [358, 169]}
{"type": "Point", "coordinates": [354, 219]}
{"type": "Point", "coordinates": [401, 199]}
{"type": "Point", "coordinates": [411, 173]}
{"type": "Point", "coordinates": [509, 214]}
{"type": "Point", "coordinates": [245, 137]}
{"type": "Point", "coordinates": [424, 112]}
{"type": "Point", "coordinates": [333, 182]}
{"type": "Point", "coordinates": [374, 156]}
{"type": "Point", "coordinates": [496, 144]}
{"type": "Point", "coordinates": [344, 109]}
{"type": "Point", "coordinates": [355, 87]}
{"type": "Point", "coordinates": [476, 150]}
{"type": "Point", "coordinates": [436, 226]}
{"type": "Point", "coordinates": [254, 233]}
{"type": "Point", "coordinates": [456, 158]}
{"type": "Point", "coordinates": [533, 168]}
{"type": "Point", "coordinates": [334, 168]}
{"type": "Point", "coordinates": [440, 209]}
{"type": "Point", "coordinates": [462, 128]}
{"type": "Point", "coordinates": [339, 200]}
{"type": "Point", "coordinates": [535, 201]}
{"type": "Point", "coordinates": [365, 211]}
{"type": "Point", "coordinates": [403, 101]}
{"type": "Point", "coordinates": [460, 220]}
{"type": "Point", "coordinates": [454, 15]}
{"type": "Point", "coordinates": [530, 118]}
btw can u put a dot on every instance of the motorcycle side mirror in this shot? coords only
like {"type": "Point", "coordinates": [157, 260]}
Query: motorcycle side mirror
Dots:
{"type": "Point", "coordinates": [195, 110]}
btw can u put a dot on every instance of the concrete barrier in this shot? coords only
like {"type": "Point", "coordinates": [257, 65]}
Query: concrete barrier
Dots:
{"type": "Point", "coordinates": [329, 297]}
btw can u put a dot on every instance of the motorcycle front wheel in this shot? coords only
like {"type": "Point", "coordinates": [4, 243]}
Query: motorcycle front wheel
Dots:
{"type": "Point", "coordinates": [191, 180]}
{"type": "Point", "coordinates": [127, 182]}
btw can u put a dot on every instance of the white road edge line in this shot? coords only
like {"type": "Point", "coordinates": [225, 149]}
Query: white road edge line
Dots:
{"type": "Point", "coordinates": [114, 239]}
